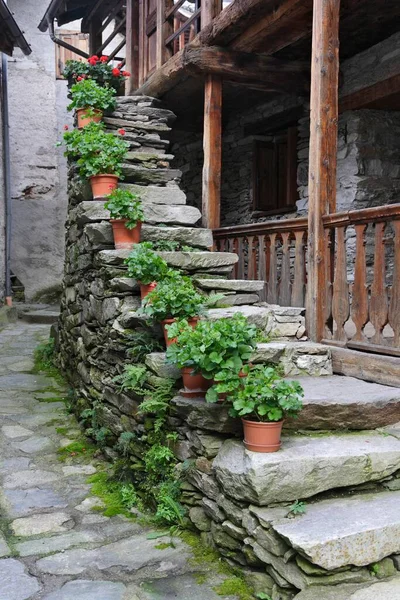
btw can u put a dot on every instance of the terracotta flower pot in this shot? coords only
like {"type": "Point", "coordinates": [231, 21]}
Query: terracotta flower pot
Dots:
{"type": "Point", "coordinates": [84, 119]}
{"type": "Point", "coordinates": [147, 288]}
{"type": "Point", "coordinates": [192, 321]}
{"type": "Point", "coordinates": [102, 185]}
{"type": "Point", "coordinates": [262, 437]}
{"type": "Point", "coordinates": [124, 238]}
{"type": "Point", "coordinates": [194, 383]}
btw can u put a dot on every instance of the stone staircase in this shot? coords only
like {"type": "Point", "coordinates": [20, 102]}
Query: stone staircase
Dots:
{"type": "Point", "coordinates": [341, 456]}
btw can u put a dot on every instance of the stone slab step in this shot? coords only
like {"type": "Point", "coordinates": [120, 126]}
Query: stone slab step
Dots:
{"type": "Point", "coordinates": [359, 530]}
{"type": "Point", "coordinates": [233, 299]}
{"type": "Point", "coordinates": [338, 402]}
{"type": "Point", "coordinates": [149, 158]}
{"type": "Point", "coordinates": [170, 194]}
{"type": "Point", "coordinates": [191, 236]}
{"type": "Point", "coordinates": [296, 358]}
{"type": "Point", "coordinates": [45, 314]}
{"type": "Point", "coordinates": [187, 261]}
{"type": "Point", "coordinates": [141, 126]}
{"type": "Point", "coordinates": [380, 590]}
{"type": "Point", "coordinates": [139, 174]}
{"type": "Point", "coordinates": [306, 466]}
{"type": "Point", "coordinates": [231, 285]}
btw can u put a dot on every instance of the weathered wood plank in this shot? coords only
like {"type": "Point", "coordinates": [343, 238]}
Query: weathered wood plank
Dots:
{"type": "Point", "coordinates": [323, 154]}
{"type": "Point", "coordinates": [132, 46]}
{"type": "Point", "coordinates": [209, 10]}
{"type": "Point", "coordinates": [211, 187]}
{"type": "Point", "coordinates": [378, 304]}
{"type": "Point", "coordinates": [359, 305]}
{"type": "Point", "coordinates": [299, 270]}
{"type": "Point", "coordinates": [368, 96]}
{"type": "Point", "coordinates": [340, 297]}
{"type": "Point", "coordinates": [394, 307]}
{"type": "Point", "coordinates": [366, 365]}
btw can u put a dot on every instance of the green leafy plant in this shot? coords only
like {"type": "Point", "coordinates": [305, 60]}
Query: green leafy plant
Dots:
{"type": "Point", "coordinates": [297, 508]}
{"type": "Point", "coordinates": [133, 378]}
{"type": "Point", "coordinates": [95, 151]}
{"type": "Point", "coordinates": [174, 297]}
{"type": "Point", "coordinates": [96, 68]}
{"type": "Point", "coordinates": [145, 265]}
{"type": "Point", "coordinates": [264, 396]}
{"type": "Point", "coordinates": [141, 343]}
{"type": "Point", "coordinates": [218, 349]}
{"type": "Point", "coordinates": [88, 94]}
{"type": "Point", "coordinates": [122, 204]}
{"type": "Point", "coordinates": [172, 246]}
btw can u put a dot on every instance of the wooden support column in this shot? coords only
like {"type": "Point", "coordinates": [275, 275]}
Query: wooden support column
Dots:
{"type": "Point", "coordinates": [209, 10]}
{"type": "Point", "coordinates": [164, 30]}
{"type": "Point", "coordinates": [95, 38]}
{"type": "Point", "coordinates": [212, 152]}
{"type": "Point", "coordinates": [132, 46]}
{"type": "Point", "coordinates": [323, 156]}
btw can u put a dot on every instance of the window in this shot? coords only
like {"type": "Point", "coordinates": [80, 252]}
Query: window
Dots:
{"type": "Point", "coordinates": [275, 173]}
{"type": "Point", "coordinates": [75, 38]}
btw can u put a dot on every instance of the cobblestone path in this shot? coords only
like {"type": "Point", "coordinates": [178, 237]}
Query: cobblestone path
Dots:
{"type": "Point", "coordinates": [53, 545]}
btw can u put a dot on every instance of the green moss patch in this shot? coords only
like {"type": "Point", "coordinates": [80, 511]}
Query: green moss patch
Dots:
{"type": "Point", "coordinates": [115, 495]}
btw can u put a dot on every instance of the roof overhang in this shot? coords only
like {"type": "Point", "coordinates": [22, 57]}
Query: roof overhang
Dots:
{"type": "Point", "coordinates": [12, 35]}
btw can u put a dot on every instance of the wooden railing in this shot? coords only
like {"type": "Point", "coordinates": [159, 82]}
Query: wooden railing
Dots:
{"type": "Point", "coordinates": [274, 252]}
{"type": "Point", "coordinates": [363, 279]}
{"type": "Point", "coordinates": [181, 29]}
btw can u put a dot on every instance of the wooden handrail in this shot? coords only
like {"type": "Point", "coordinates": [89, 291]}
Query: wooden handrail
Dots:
{"type": "Point", "coordinates": [284, 225]}
{"type": "Point", "coordinates": [363, 216]}
{"type": "Point", "coordinates": [174, 9]}
{"type": "Point", "coordinates": [183, 28]}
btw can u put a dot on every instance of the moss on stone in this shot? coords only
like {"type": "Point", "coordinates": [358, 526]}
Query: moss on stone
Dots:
{"type": "Point", "coordinates": [109, 492]}
{"type": "Point", "coordinates": [78, 448]}
{"type": "Point", "coordinates": [234, 586]}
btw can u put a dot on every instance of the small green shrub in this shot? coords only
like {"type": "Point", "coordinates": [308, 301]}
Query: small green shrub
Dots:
{"type": "Point", "coordinates": [88, 94]}
{"type": "Point", "coordinates": [145, 265]}
{"type": "Point", "coordinates": [174, 297]}
{"type": "Point", "coordinates": [122, 204]}
{"type": "Point", "coordinates": [141, 343]}
{"type": "Point", "coordinates": [264, 396]}
{"type": "Point", "coordinates": [95, 151]}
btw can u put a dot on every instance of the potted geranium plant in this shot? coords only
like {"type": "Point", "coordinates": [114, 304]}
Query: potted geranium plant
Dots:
{"type": "Point", "coordinates": [175, 297]}
{"type": "Point", "coordinates": [99, 156]}
{"type": "Point", "coordinates": [90, 101]}
{"type": "Point", "coordinates": [263, 399]}
{"type": "Point", "coordinates": [146, 266]}
{"type": "Point", "coordinates": [217, 350]}
{"type": "Point", "coordinates": [126, 214]}
{"type": "Point", "coordinates": [97, 68]}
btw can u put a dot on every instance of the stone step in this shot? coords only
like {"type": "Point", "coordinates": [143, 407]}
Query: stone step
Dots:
{"type": "Point", "coordinates": [305, 358]}
{"type": "Point", "coordinates": [136, 125]}
{"type": "Point", "coordinates": [187, 261]}
{"type": "Point", "coordinates": [359, 530]}
{"type": "Point", "coordinates": [149, 159]}
{"type": "Point", "coordinates": [169, 194]}
{"type": "Point", "coordinates": [191, 236]}
{"type": "Point", "coordinates": [232, 299]}
{"type": "Point", "coordinates": [231, 285]}
{"type": "Point", "coordinates": [306, 466]}
{"type": "Point", "coordinates": [44, 316]}
{"type": "Point", "coordinates": [146, 176]}
{"type": "Point", "coordinates": [378, 590]}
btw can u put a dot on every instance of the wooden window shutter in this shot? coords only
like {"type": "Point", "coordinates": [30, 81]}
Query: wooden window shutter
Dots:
{"type": "Point", "coordinates": [75, 38]}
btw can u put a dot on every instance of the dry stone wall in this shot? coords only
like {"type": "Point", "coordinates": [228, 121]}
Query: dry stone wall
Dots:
{"type": "Point", "coordinates": [238, 501]}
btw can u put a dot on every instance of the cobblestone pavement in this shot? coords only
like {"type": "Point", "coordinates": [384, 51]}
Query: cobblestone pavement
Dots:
{"type": "Point", "coordinates": [53, 545]}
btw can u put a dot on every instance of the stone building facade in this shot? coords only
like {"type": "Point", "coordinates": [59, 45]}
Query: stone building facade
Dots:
{"type": "Point", "coordinates": [368, 146]}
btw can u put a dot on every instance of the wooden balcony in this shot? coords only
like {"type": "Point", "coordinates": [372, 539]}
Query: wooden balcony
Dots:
{"type": "Point", "coordinates": [361, 294]}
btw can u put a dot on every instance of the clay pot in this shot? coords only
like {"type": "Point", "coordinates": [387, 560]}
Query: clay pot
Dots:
{"type": "Point", "coordinates": [84, 119]}
{"type": "Point", "coordinates": [124, 238]}
{"type": "Point", "coordinates": [192, 321]}
{"type": "Point", "coordinates": [262, 437]}
{"type": "Point", "coordinates": [147, 288]}
{"type": "Point", "coordinates": [102, 185]}
{"type": "Point", "coordinates": [194, 383]}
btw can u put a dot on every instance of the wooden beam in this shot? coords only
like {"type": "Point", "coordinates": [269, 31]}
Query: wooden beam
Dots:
{"type": "Point", "coordinates": [370, 95]}
{"type": "Point", "coordinates": [132, 46]}
{"type": "Point", "coordinates": [323, 156]}
{"type": "Point", "coordinates": [282, 26]}
{"type": "Point", "coordinates": [211, 194]}
{"type": "Point", "coordinates": [209, 10]}
{"type": "Point", "coordinates": [366, 366]}
{"type": "Point", "coordinates": [275, 122]}
{"type": "Point", "coordinates": [95, 36]}
{"type": "Point", "coordinates": [256, 71]}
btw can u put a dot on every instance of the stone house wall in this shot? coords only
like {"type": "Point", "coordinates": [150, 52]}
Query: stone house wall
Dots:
{"type": "Point", "coordinates": [368, 146]}
{"type": "Point", "coordinates": [2, 212]}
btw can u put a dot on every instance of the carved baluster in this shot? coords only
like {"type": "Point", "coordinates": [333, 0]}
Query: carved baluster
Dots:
{"type": "Point", "coordinates": [299, 270]}
{"type": "Point", "coordinates": [359, 305]}
{"type": "Point", "coordinates": [252, 258]}
{"type": "Point", "coordinates": [240, 252]}
{"type": "Point", "coordinates": [340, 299]}
{"type": "Point", "coordinates": [378, 305]}
{"type": "Point", "coordinates": [285, 284]}
{"type": "Point", "coordinates": [330, 263]}
{"type": "Point", "coordinates": [233, 248]}
{"type": "Point", "coordinates": [221, 245]}
{"type": "Point", "coordinates": [272, 296]}
{"type": "Point", "coordinates": [261, 271]}
{"type": "Point", "coordinates": [394, 308]}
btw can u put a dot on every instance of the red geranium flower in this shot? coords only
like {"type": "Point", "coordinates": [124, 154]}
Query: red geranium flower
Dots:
{"type": "Point", "coordinates": [103, 58]}
{"type": "Point", "coordinates": [121, 131]}
{"type": "Point", "coordinates": [120, 65]}
{"type": "Point", "coordinates": [93, 60]}
{"type": "Point", "coordinates": [80, 78]}
{"type": "Point", "coordinates": [66, 127]}
{"type": "Point", "coordinates": [116, 72]}
{"type": "Point", "coordinates": [126, 73]}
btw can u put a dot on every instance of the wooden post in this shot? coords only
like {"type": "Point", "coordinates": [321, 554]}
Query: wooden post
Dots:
{"type": "Point", "coordinates": [212, 152]}
{"type": "Point", "coordinates": [209, 10]}
{"type": "Point", "coordinates": [323, 156]}
{"type": "Point", "coordinates": [164, 30]}
{"type": "Point", "coordinates": [95, 38]}
{"type": "Point", "coordinates": [132, 46]}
